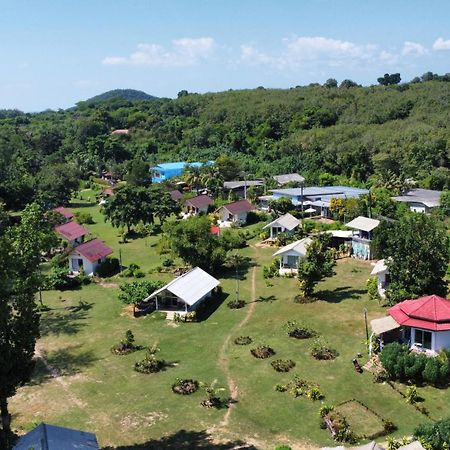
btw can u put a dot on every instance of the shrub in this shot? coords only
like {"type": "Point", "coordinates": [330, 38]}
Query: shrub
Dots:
{"type": "Point", "coordinates": [236, 304]}
{"type": "Point", "coordinates": [108, 268]}
{"type": "Point", "coordinates": [185, 387]}
{"type": "Point", "coordinates": [372, 288]}
{"type": "Point", "coordinates": [150, 364]}
{"type": "Point", "coordinates": [283, 447]}
{"type": "Point", "coordinates": [84, 217]}
{"type": "Point", "coordinates": [243, 340]}
{"type": "Point", "coordinates": [133, 270]}
{"type": "Point", "coordinates": [252, 217]}
{"type": "Point", "coordinates": [126, 345]}
{"type": "Point", "coordinates": [435, 435]}
{"type": "Point", "coordinates": [411, 395]}
{"type": "Point", "coordinates": [232, 239]}
{"type": "Point", "coordinates": [321, 350]}
{"type": "Point", "coordinates": [262, 352]}
{"type": "Point", "coordinates": [271, 270]}
{"type": "Point", "coordinates": [283, 365]}
{"type": "Point", "coordinates": [299, 331]}
{"type": "Point", "coordinates": [167, 262]}
{"type": "Point", "coordinates": [59, 279]}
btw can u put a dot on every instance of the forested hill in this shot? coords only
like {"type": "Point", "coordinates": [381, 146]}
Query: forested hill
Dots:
{"type": "Point", "coordinates": [348, 134]}
{"type": "Point", "coordinates": [131, 95]}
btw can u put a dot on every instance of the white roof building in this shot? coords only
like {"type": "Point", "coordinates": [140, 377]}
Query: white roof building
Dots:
{"type": "Point", "coordinates": [289, 178]}
{"type": "Point", "coordinates": [364, 224]}
{"type": "Point", "coordinates": [283, 224]}
{"type": "Point", "coordinates": [184, 292]}
{"type": "Point", "coordinates": [297, 247]}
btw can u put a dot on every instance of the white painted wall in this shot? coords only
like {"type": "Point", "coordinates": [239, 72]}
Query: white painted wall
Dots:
{"type": "Point", "coordinates": [442, 339]}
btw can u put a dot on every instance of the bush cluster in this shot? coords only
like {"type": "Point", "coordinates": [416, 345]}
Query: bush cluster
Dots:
{"type": "Point", "coordinates": [108, 268]}
{"type": "Point", "coordinates": [403, 365]}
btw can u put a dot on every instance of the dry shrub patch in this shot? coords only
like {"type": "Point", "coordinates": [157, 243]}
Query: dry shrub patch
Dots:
{"type": "Point", "coordinates": [243, 340]}
{"type": "Point", "coordinates": [283, 365]}
{"type": "Point", "coordinates": [262, 352]}
{"type": "Point", "coordinates": [185, 387]}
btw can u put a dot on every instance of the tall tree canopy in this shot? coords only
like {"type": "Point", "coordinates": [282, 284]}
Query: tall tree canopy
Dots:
{"type": "Point", "coordinates": [20, 252]}
{"type": "Point", "coordinates": [417, 253]}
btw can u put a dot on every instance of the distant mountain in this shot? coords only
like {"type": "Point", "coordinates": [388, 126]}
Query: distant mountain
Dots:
{"type": "Point", "coordinates": [127, 94]}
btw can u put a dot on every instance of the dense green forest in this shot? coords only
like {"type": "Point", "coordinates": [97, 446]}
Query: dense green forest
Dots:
{"type": "Point", "coordinates": [330, 134]}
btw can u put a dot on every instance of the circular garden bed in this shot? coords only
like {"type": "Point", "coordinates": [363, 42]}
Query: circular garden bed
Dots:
{"type": "Point", "coordinates": [283, 365]}
{"type": "Point", "coordinates": [185, 387]}
{"type": "Point", "coordinates": [262, 352]}
{"type": "Point", "coordinates": [236, 304]}
{"type": "Point", "coordinates": [243, 340]}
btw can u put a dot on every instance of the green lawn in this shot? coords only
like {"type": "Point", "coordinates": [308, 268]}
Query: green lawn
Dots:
{"type": "Point", "coordinates": [100, 392]}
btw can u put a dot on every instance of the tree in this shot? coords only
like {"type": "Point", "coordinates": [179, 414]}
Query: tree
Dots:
{"type": "Point", "coordinates": [137, 291]}
{"type": "Point", "coordinates": [138, 173]}
{"type": "Point", "coordinates": [20, 251]}
{"type": "Point", "coordinates": [436, 436]}
{"type": "Point", "coordinates": [445, 202]}
{"type": "Point", "coordinates": [193, 242]}
{"type": "Point", "coordinates": [388, 80]}
{"type": "Point", "coordinates": [331, 83]}
{"type": "Point", "coordinates": [346, 84]}
{"type": "Point", "coordinates": [281, 205]}
{"type": "Point", "coordinates": [416, 249]}
{"type": "Point", "coordinates": [227, 167]}
{"type": "Point", "coordinates": [235, 261]}
{"type": "Point", "coordinates": [129, 206]}
{"type": "Point", "coordinates": [316, 265]}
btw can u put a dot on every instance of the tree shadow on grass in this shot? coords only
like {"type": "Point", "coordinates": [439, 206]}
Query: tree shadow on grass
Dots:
{"type": "Point", "coordinates": [186, 440]}
{"type": "Point", "coordinates": [70, 361]}
{"type": "Point", "coordinates": [210, 306]}
{"type": "Point", "coordinates": [66, 321]}
{"type": "Point", "coordinates": [339, 294]}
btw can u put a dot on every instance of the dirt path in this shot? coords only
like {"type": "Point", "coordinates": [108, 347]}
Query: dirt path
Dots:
{"type": "Point", "coordinates": [55, 374]}
{"type": "Point", "coordinates": [223, 358]}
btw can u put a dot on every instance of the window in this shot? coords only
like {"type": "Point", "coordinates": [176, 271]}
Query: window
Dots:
{"type": "Point", "coordinates": [424, 338]}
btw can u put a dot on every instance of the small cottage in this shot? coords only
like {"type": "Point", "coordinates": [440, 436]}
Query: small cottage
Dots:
{"type": "Point", "coordinates": [86, 257]}
{"type": "Point", "coordinates": [362, 237]}
{"type": "Point", "coordinates": [66, 214]}
{"type": "Point", "coordinates": [291, 254]}
{"type": "Point", "coordinates": [381, 271]}
{"type": "Point", "coordinates": [420, 200]}
{"type": "Point", "coordinates": [185, 293]}
{"type": "Point", "coordinates": [284, 224]}
{"type": "Point", "coordinates": [72, 232]}
{"type": "Point", "coordinates": [176, 195]}
{"type": "Point", "coordinates": [52, 437]}
{"type": "Point", "coordinates": [422, 324]}
{"type": "Point", "coordinates": [198, 205]}
{"type": "Point", "coordinates": [234, 212]}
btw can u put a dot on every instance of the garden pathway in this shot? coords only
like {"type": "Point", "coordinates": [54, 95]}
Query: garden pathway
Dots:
{"type": "Point", "coordinates": [224, 360]}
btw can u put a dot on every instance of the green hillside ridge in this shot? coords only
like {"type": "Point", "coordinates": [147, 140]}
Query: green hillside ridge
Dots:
{"type": "Point", "coordinates": [131, 95]}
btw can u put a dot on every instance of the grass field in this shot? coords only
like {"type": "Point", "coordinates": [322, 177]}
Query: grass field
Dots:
{"type": "Point", "coordinates": [100, 392]}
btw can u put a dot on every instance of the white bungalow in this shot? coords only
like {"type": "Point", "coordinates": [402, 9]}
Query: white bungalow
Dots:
{"type": "Point", "coordinates": [284, 224]}
{"type": "Point", "coordinates": [72, 232]}
{"type": "Point", "coordinates": [291, 254]}
{"type": "Point", "coordinates": [185, 293]}
{"type": "Point", "coordinates": [381, 271]}
{"type": "Point", "coordinates": [85, 258]}
{"type": "Point", "coordinates": [362, 237]}
{"type": "Point", "coordinates": [423, 324]}
{"type": "Point", "coordinates": [235, 212]}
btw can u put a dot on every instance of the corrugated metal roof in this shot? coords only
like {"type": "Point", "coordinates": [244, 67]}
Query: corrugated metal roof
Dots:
{"type": "Point", "coordinates": [93, 250]}
{"type": "Point", "coordinates": [71, 230]}
{"type": "Point", "coordinates": [379, 267]}
{"type": "Point", "coordinates": [428, 197]}
{"type": "Point", "coordinates": [201, 201]}
{"type": "Point", "coordinates": [242, 183]}
{"type": "Point", "coordinates": [298, 247]}
{"type": "Point", "coordinates": [51, 437]}
{"type": "Point", "coordinates": [239, 207]}
{"type": "Point", "coordinates": [64, 212]}
{"type": "Point", "coordinates": [289, 178]}
{"type": "Point", "coordinates": [190, 287]}
{"type": "Point", "coordinates": [363, 223]}
{"type": "Point", "coordinates": [384, 324]}
{"type": "Point", "coordinates": [287, 221]}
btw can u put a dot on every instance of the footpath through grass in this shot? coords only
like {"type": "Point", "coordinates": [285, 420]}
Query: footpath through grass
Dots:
{"type": "Point", "coordinates": [100, 392]}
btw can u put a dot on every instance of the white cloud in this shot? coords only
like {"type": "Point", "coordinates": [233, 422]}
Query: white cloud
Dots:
{"type": "Point", "coordinates": [441, 44]}
{"type": "Point", "coordinates": [388, 57]}
{"type": "Point", "coordinates": [183, 52]}
{"type": "Point", "coordinates": [253, 56]}
{"type": "Point", "coordinates": [414, 49]}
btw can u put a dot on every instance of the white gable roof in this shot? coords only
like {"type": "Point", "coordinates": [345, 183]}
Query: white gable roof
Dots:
{"type": "Point", "coordinates": [363, 223]}
{"type": "Point", "coordinates": [287, 221]}
{"type": "Point", "coordinates": [298, 247]}
{"type": "Point", "coordinates": [190, 287]}
{"type": "Point", "coordinates": [379, 267]}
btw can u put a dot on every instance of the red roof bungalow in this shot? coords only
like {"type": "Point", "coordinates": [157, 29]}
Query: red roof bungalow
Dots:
{"type": "Point", "coordinates": [424, 324]}
{"type": "Point", "coordinates": [86, 257]}
{"type": "Point", "coordinates": [68, 215]}
{"type": "Point", "coordinates": [234, 212]}
{"type": "Point", "coordinates": [72, 232]}
{"type": "Point", "coordinates": [176, 195]}
{"type": "Point", "coordinates": [198, 205]}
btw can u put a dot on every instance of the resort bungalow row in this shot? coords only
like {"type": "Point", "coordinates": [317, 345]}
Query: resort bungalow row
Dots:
{"type": "Point", "coordinates": [422, 324]}
{"type": "Point", "coordinates": [185, 293]}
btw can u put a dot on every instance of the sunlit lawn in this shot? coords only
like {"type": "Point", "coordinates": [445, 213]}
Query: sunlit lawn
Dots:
{"type": "Point", "coordinates": [100, 392]}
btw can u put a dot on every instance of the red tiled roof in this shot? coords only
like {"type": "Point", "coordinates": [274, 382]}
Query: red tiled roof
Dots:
{"type": "Point", "coordinates": [93, 250]}
{"type": "Point", "coordinates": [239, 207]}
{"type": "Point", "coordinates": [64, 212]}
{"type": "Point", "coordinates": [71, 230]}
{"type": "Point", "coordinates": [176, 195]}
{"type": "Point", "coordinates": [201, 201]}
{"type": "Point", "coordinates": [430, 313]}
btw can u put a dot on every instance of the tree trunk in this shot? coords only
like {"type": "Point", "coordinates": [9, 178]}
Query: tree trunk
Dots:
{"type": "Point", "coordinates": [5, 416]}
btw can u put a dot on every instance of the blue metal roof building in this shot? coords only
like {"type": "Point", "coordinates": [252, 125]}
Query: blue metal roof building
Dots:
{"type": "Point", "coordinates": [52, 437]}
{"type": "Point", "coordinates": [165, 171]}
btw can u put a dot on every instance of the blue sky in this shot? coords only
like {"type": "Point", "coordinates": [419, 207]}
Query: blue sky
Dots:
{"type": "Point", "coordinates": [55, 53]}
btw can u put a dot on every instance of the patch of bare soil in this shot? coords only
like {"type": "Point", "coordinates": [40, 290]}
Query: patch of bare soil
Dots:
{"type": "Point", "coordinates": [135, 421]}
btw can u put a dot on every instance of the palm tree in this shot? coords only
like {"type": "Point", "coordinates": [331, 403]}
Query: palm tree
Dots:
{"type": "Point", "coordinates": [191, 175]}
{"type": "Point", "coordinates": [234, 261]}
